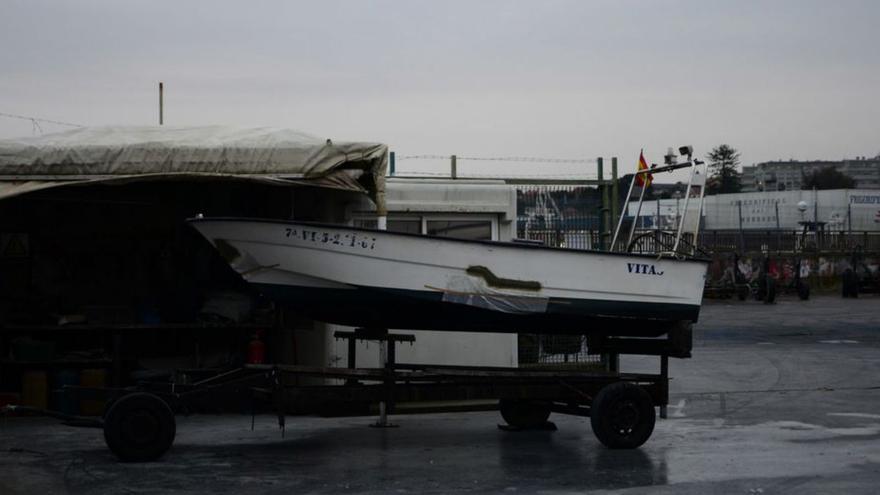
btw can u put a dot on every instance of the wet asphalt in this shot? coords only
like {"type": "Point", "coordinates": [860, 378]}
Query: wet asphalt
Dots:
{"type": "Point", "coordinates": [777, 399]}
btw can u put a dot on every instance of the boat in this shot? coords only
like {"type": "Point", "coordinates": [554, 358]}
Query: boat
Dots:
{"type": "Point", "coordinates": [381, 279]}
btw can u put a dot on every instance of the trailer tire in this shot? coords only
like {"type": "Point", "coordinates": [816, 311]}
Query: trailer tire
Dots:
{"type": "Point", "coordinates": [139, 427]}
{"type": "Point", "coordinates": [524, 413]}
{"type": "Point", "coordinates": [622, 416]}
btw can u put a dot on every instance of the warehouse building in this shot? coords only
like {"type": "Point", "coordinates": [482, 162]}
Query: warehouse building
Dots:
{"type": "Point", "coordinates": [838, 209]}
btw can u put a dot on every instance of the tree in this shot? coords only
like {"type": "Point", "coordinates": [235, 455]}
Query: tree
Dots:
{"type": "Point", "coordinates": [828, 178]}
{"type": "Point", "coordinates": [723, 165]}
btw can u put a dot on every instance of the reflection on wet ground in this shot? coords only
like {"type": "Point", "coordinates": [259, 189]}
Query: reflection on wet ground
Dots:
{"type": "Point", "coordinates": [757, 410]}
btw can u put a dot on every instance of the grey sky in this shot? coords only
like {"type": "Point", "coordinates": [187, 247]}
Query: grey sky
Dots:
{"type": "Point", "coordinates": [776, 79]}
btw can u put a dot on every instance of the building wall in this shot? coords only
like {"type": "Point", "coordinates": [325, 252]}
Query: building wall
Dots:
{"type": "Point", "coordinates": [841, 209]}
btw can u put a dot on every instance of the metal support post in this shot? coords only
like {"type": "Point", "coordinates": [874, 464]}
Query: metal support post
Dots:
{"type": "Point", "coordinates": [664, 383]}
{"type": "Point", "coordinates": [352, 353]}
{"type": "Point", "coordinates": [383, 412]}
{"type": "Point", "coordinates": [742, 242]}
{"type": "Point", "coordinates": [623, 214]}
{"type": "Point", "coordinates": [606, 214]}
{"type": "Point", "coordinates": [615, 193]}
{"type": "Point", "coordinates": [705, 178]}
{"type": "Point", "coordinates": [387, 346]}
{"type": "Point", "coordinates": [601, 178]}
{"type": "Point", "coordinates": [632, 229]}
{"type": "Point", "coordinates": [687, 198]}
{"type": "Point", "coordinates": [453, 164]}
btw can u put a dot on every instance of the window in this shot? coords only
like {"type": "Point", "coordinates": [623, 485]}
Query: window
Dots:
{"type": "Point", "coordinates": [366, 223]}
{"type": "Point", "coordinates": [408, 225]}
{"type": "Point", "coordinates": [461, 229]}
{"type": "Point", "coordinates": [481, 228]}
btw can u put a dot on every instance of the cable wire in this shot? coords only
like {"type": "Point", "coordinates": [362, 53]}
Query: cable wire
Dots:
{"type": "Point", "coordinates": [36, 120]}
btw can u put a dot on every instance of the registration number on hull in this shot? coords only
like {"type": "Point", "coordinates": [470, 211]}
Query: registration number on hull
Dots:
{"type": "Point", "coordinates": [335, 238]}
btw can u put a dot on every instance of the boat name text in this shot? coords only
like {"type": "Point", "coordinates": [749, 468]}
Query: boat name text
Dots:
{"type": "Point", "coordinates": [335, 238]}
{"type": "Point", "coordinates": [643, 269]}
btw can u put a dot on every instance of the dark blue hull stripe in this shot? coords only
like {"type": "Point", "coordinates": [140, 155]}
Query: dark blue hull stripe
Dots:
{"type": "Point", "coordinates": [426, 310]}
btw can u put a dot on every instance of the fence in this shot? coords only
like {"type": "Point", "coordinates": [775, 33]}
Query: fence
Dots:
{"type": "Point", "coordinates": [789, 241]}
{"type": "Point", "coordinates": [582, 233]}
{"type": "Point", "coordinates": [569, 351]}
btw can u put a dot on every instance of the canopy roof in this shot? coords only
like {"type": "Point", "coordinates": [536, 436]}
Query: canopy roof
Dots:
{"type": "Point", "coordinates": [105, 154]}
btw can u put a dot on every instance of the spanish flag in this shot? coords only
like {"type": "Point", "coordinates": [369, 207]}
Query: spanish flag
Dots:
{"type": "Point", "coordinates": [643, 180]}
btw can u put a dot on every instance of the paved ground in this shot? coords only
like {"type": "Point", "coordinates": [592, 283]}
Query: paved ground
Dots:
{"type": "Point", "coordinates": [777, 399]}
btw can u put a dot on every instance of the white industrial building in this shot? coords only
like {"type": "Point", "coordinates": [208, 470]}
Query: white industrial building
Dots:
{"type": "Point", "coordinates": [839, 209]}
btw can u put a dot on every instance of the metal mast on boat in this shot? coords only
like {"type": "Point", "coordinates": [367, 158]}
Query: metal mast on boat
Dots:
{"type": "Point", "coordinates": [671, 164]}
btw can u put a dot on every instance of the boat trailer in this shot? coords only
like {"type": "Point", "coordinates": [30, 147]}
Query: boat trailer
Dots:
{"type": "Point", "coordinates": [139, 422]}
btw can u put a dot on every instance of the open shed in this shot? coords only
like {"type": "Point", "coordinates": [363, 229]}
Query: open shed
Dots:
{"type": "Point", "coordinates": [99, 274]}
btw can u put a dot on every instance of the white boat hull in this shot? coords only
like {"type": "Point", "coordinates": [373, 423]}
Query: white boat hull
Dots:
{"type": "Point", "coordinates": [377, 278]}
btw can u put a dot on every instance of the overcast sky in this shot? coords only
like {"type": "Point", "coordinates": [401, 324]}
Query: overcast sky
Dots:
{"type": "Point", "coordinates": [775, 79]}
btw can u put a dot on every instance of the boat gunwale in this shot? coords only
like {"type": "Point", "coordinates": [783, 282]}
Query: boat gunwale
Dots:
{"type": "Point", "coordinates": [526, 245]}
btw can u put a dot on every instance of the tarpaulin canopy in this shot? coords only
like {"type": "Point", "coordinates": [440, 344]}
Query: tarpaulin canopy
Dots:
{"type": "Point", "coordinates": [126, 153]}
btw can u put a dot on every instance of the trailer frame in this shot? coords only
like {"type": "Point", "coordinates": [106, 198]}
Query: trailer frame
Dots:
{"type": "Point", "coordinates": [617, 403]}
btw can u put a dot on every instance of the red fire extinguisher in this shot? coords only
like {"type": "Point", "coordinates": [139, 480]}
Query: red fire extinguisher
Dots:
{"type": "Point", "coordinates": [256, 349]}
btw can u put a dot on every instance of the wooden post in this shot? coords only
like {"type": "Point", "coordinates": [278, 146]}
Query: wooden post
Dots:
{"type": "Point", "coordinates": [391, 163]}
{"type": "Point", "coordinates": [454, 166]}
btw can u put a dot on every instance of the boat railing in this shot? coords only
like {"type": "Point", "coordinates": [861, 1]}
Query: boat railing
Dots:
{"type": "Point", "coordinates": [696, 189]}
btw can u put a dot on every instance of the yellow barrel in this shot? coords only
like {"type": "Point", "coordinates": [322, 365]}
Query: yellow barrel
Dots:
{"type": "Point", "coordinates": [35, 389]}
{"type": "Point", "coordinates": [92, 378]}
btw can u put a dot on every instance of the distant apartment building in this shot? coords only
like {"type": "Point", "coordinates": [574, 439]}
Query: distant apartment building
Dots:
{"type": "Point", "coordinates": [787, 176]}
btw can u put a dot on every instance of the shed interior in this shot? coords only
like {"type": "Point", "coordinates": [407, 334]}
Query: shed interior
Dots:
{"type": "Point", "coordinates": [107, 284]}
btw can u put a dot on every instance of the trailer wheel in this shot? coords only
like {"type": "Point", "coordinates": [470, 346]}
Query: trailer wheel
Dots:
{"type": "Point", "coordinates": [622, 416]}
{"type": "Point", "coordinates": [524, 413]}
{"type": "Point", "coordinates": [139, 427]}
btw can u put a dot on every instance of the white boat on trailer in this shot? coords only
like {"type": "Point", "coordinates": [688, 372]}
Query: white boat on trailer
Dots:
{"type": "Point", "coordinates": [389, 280]}
{"type": "Point", "coordinates": [382, 279]}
